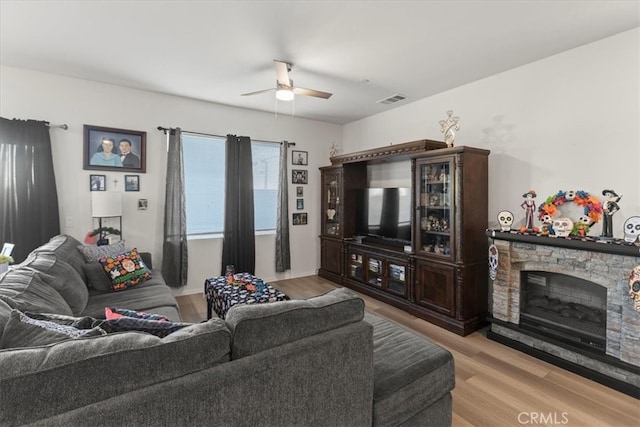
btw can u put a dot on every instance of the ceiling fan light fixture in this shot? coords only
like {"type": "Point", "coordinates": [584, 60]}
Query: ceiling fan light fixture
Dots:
{"type": "Point", "coordinates": [284, 94]}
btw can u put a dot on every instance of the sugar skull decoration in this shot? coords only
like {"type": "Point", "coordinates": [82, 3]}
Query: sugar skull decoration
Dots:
{"type": "Point", "coordinates": [493, 261]}
{"type": "Point", "coordinates": [505, 219]}
{"type": "Point", "coordinates": [634, 287]}
{"type": "Point", "coordinates": [562, 227]}
{"type": "Point", "coordinates": [632, 229]}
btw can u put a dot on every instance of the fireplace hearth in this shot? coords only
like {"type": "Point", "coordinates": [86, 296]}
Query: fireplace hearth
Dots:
{"type": "Point", "coordinates": [567, 303]}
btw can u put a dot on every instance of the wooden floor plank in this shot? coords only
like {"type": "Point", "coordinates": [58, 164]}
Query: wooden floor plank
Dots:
{"type": "Point", "coordinates": [495, 384]}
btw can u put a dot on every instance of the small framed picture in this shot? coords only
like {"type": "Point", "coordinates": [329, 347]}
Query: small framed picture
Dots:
{"type": "Point", "coordinates": [97, 182]}
{"type": "Point", "coordinates": [7, 248]}
{"type": "Point", "coordinates": [300, 218]}
{"type": "Point", "coordinates": [299, 204]}
{"type": "Point", "coordinates": [299, 158]}
{"type": "Point", "coordinates": [299, 191]}
{"type": "Point", "coordinates": [299, 176]}
{"type": "Point", "coordinates": [142, 204]}
{"type": "Point", "coordinates": [132, 183]}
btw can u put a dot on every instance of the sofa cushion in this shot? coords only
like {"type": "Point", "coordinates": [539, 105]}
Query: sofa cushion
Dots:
{"type": "Point", "coordinates": [24, 289]}
{"type": "Point", "coordinates": [93, 253]}
{"type": "Point", "coordinates": [410, 372]}
{"type": "Point", "coordinates": [61, 276]}
{"type": "Point", "coordinates": [25, 331]}
{"type": "Point", "coordinates": [257, 327]}
{"type": "Point", "coordinates": [98, 368]}
{"type": "Point", "coordinates": [151, 296]}
{"type": "Point", "coordinates": [64, 247]}
{"type": "Point", "coordinates": [125, 270]}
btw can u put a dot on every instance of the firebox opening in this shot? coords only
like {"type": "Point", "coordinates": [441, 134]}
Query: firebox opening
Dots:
{"type": "Point", "coordinates": [566, 308]}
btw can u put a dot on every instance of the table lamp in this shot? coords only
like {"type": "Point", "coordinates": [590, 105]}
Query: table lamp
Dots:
{"type": "Point", "coordinates": [105, 205]}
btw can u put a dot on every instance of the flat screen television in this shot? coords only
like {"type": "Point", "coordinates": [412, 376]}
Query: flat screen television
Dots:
{"type": "Point", "coordinates": [385, 213]}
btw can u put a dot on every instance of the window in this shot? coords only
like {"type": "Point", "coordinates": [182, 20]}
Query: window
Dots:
{"type": "Point", "coordinates": [204, 175]}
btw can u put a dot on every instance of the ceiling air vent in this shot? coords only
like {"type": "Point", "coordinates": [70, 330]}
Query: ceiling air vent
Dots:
{"type": "Point", "coordinates": [392, 99]}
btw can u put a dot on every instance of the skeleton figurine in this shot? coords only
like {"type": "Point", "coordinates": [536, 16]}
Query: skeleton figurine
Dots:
{"type": "Point", "coordinates": [609, 208]}
{"type": "Point", "coordinates": [634, 287]}
{"type": "Point", "coordinates": [632, 229]}
{"type": "Point", "coordinates": [529, 207]}
{"type": "Point", "coordinates": [505, 219]}
{"type": "Point", "coordinates": [562, 227]}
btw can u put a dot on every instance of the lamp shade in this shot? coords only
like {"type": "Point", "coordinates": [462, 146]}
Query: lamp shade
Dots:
{"type": "Point", "coordinates": [105, 204]}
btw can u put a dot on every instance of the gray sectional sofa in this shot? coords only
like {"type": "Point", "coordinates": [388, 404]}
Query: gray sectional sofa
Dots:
{"type": "Point", "coordinates": [321, 361]}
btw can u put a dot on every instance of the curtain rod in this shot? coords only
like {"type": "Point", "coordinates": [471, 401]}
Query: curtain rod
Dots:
{"type": "Point", "coordinates": [165, 130]}
{"type": "Point", "coordinates": [63, 126]}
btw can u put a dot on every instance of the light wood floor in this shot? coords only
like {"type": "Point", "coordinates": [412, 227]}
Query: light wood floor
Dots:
{"type": "Point", "coordinates": [495, 385]}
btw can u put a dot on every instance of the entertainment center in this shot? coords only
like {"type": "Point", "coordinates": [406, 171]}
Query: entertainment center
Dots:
{"type": "Point", "coordinates": [406, 224]}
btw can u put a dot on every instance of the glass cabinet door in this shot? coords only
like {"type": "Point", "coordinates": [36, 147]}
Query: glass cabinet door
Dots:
{"type": "Point", "coordinates": [332, 202]}
{"type": "Point", "coordinates": [396, 278]}
{"type": "Point", "coordinates": [375, 273]}
{"type": "Point", "coordinates": [436, 205]}
{"type": "Point", "coordinates": [354, 269]}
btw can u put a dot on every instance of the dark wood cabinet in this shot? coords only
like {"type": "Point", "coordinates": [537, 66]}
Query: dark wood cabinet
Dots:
{"type": "Point", "coordinates": [442, 277]}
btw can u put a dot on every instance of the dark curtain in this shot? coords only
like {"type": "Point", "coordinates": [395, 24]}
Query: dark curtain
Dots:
{"type": "Point", "coordinates": [174, 247]}
{"type": "Point", "coordinates": [283, 255]}
{"type": "Point", "coordinates": [239, 246]}
{"type": "Point", "coordinates": [28, 198]}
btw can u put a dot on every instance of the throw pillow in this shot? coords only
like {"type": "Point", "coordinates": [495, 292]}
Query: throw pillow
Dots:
{"type": "Point", "coordinates": [125, 269]}
{"type": "Point", "coordinates": [24, 331]}
{"type": "Point", "coordinates": [94, 253]}
{"type": "Point", "coordinates": [158, 328]}
{"type": "Point", "coordinates": [97, 278]}
{"type": "Point", "coordinates": [116, 313]}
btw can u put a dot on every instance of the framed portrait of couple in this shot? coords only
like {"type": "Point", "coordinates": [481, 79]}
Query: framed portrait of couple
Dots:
{"type": "Point", "coordinates": [111, 149]}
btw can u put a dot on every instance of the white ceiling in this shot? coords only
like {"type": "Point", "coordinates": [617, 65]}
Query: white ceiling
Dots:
{"type": "Point", "coordinates": [361, 51]}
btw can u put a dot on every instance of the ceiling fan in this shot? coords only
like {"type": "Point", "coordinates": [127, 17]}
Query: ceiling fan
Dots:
{"type": "Point", "coordinates": [285, 90]}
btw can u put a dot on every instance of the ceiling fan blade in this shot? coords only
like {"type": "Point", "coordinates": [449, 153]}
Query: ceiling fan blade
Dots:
{"type": "Point", "coordinates": [311, 92]}
{"type": "Point", "coordinates": [258, 92]}
{"type": "Point", "coordinates": [282, 71]}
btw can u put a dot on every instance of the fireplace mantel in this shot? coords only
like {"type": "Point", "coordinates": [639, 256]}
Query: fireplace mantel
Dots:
{"type": "Point", "coordinates": [615, 247]}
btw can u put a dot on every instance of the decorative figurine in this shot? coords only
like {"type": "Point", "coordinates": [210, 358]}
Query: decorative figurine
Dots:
{"type": "Point", "coordinates": [505, 219]}
{"type": "Point", "coordinates": [609, 208]}
{"type": "Point", "coordinates": [562, 227]}
{"type": "Point", "coordinates": [634, 287]}
{"type": "Point", "coordinates": [448, 126]}
{"type": "Point", "coordinates": [632, 229]}
{"type": "Point", "coordinates": [334, 150]}
{"type": "Point", "coordinates": [493, 261]}
{"type": "Point", "coordinates": [529, 207]}
{"type": "Point", "coordinates": [547, 225]}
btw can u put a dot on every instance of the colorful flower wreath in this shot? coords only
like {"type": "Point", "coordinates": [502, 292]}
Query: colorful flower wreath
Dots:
{"type": "Point", "coordinates": [592, 206]}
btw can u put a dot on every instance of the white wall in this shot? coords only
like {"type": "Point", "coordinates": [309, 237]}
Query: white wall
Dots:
{"type": "Point", "coordinates": [570, 121]}
{"type": "Point", "coordinates": [33, 95]}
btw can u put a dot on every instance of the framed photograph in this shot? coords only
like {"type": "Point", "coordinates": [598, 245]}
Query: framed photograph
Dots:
{"type": "Point", "coordinates": [111, 149]}
{"type": "Point", "coordinates": [299, 176]}
{"type": "Point", "coordinates": [7, 248]}
{"type": "Point", "coordinates": [299, 204]}
{"type": "Point", "coordinates": [142, 204]}
{"type": "Point", "coordinates": [299, 158]}
{"type": "Point", "coordinates": [97, 182]}
{"type": "Point", "coordinates": [132, 183]}
{"type": "Point", "coordinates": [300, 218]}
{"type": "Point", "coordinates": [299, 191]}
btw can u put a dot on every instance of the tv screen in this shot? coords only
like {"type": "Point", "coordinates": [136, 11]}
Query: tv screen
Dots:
{"type": "Point", "coordinates": [384, 212]}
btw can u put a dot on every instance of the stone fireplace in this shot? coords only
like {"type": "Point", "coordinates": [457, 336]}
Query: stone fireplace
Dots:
{"type": "Point", "coordinates": [566, 301]}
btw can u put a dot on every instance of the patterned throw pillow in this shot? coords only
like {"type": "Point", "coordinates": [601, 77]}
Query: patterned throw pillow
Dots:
{"type": "Point", "coordinates": [125, 269]}
{"type": "Point", "coordinates": [117, 313]}
{"type": "Point", "coordinates": [94, 253]}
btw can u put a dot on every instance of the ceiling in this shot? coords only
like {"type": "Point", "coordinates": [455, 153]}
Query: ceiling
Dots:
{"type": "Point", "coordinates": [361, 51]}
